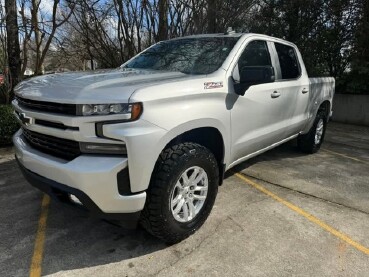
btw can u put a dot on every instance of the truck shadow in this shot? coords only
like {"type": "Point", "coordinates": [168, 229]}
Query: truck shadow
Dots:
{"type": "Point", "coordinates": [288, 150]}
{"type": "Point", "coordinates": [79, 241]}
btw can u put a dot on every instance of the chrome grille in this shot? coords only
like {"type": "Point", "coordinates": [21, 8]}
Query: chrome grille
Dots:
{"type": "Point", "coordinates": [43, 106]}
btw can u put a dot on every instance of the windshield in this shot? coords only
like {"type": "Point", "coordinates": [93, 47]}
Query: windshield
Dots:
{"type": "Point", "coordinates": [190, 55]}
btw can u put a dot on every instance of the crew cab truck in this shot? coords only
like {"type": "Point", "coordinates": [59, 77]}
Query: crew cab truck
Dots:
{"type": "Point", "coordinates": [149, 142]}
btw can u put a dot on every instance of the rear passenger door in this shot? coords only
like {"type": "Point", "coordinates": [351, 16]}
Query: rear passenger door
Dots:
{"type": "Point", "coordinates": [293, 84]}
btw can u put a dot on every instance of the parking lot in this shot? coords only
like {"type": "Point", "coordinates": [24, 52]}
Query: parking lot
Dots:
{"type": "Point", "coordinates": [280, 214]}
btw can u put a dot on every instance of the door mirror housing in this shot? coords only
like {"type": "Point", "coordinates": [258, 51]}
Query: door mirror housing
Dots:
{"type": "Point", "coordinates": [252, 75]}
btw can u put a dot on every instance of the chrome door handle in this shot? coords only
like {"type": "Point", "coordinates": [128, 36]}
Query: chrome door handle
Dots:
{"type": "Point", "coordinates": [304, 90]}
{"type": "Point", "coordinates": [275, 94]}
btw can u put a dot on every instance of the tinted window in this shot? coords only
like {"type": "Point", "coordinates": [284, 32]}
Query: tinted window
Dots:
{"type": "Point", "coordinates": [255, 54]}
{"type": "Point", "coordinates": [288, 60]}
{"type": "Point", "coordinates": [190, 56]}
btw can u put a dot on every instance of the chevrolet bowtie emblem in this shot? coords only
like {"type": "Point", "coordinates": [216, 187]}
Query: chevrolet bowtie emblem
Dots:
{"type": "Point", "coordinates": [26, 120]}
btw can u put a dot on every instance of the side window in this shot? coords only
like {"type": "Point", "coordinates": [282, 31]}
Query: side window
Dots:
{"type": "Point", "coordinates": [288, 61]}
{"type": "Point", "coordinates": [255, 54]}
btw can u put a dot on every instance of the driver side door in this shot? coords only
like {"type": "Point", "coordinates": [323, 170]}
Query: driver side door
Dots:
{"type": "Point", "coordinates": [257, 116]}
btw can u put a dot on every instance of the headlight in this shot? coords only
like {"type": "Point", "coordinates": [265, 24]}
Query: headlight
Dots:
{"type": "Point", "coordinates": [133, 111]}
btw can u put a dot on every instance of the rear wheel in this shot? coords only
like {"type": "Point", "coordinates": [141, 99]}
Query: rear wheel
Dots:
{"type": "Point", "coordinates": [182, 192]}
{"type": "Point", "coordinates": [311, 142]}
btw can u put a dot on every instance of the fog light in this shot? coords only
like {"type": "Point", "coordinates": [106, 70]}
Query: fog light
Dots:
{"type": "Point", "coordinates": [103, 148]}
{"type": "Point", "coordinates": [75, 199]}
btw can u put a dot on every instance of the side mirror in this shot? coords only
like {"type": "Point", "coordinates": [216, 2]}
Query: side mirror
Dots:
{"type": "Point", "coordinates": [253, 75]}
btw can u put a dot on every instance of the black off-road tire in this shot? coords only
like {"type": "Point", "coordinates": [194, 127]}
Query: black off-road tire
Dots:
{"type": "Point", "coordinates": [157, 217]}
{"type": "Point", "coordinates": [306, 143]}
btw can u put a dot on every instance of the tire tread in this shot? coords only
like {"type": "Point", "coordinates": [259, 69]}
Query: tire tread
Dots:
{"type": "Point", "coordinates": [151, 217]}
{"type": "Point", "coordinates": [306, 143]}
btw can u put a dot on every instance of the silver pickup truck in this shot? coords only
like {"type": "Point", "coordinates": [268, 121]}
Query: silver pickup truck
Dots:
{"type": "Point", "coordinates": [149, 142]}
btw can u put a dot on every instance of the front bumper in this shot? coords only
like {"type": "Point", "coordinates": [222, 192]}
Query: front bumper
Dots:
{"type": "Point", "coordinates": [62, 192]}
{"type": "Point", "coordinates": [91, 178]}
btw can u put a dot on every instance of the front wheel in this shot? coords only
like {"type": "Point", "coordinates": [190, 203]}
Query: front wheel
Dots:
{"type": "Point", "coordinates": [182, 192]}
{"type": "Point", "coordinates": [311, 142]}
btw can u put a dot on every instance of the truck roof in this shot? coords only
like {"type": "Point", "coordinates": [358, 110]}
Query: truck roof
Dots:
{"type": "Point", "coordinates": [214, 35]}
{"type": "Point", "coordinates": [234, 35]}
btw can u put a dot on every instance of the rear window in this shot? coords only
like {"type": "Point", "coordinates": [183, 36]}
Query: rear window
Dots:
{"type": "Point", "coordinates": [288, 61]}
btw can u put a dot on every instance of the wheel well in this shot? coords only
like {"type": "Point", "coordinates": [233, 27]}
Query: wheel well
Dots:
{"type": "Point", "coordinates": [208, 137]}
{"type": "Point", "coordinates": [325, 107]}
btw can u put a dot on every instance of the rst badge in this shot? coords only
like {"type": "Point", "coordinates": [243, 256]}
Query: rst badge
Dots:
{"type": "Point", "coordinates": [211, 85]}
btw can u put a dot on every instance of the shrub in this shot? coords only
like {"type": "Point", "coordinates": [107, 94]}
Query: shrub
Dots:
{"type": "Point", "coordinates": [8, 124]}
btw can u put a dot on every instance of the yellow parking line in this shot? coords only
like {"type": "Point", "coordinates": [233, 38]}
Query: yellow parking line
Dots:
{"type": "Point", "coordinates": [345, 156]}
{"type": "Point", "coordinates": [38, 250]}
{"type": "Point", "coordinates": [305, 214]}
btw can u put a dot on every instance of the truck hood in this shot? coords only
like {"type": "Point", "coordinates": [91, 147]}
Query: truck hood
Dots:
{"type": "Point", "coordinates": [94, 87]}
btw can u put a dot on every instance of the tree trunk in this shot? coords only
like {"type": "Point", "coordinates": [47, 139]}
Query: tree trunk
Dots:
{"type": "Point", "coordinates": [13, 48]}
{"type": "Point", "coordinates": [212, 16]}
{"type": "Point", "coordinates": [163, 20]}
{"type": "Point", "coordinates": [34, 17]}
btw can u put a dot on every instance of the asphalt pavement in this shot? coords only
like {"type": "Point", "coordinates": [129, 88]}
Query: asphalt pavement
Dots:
{"type": "Point", "coordinates": [280, 214]}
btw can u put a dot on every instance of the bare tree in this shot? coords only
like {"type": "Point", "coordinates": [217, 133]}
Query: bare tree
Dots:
{"type": "Point", "coordinates": [44, 32]}
{"type": "Point", "coordinates": [96, 25]}
{"type": "Point", "coordinates": [163, 20]}
{"type": "Point", "coordinates": [26, 29]}
{"type": "Point", "coordinates": [13, 48]}
{"type": "Point", "coordinates": [212, 15]}
{"type": "Point", "coordinates": [111, 32]}
{"type": "Point", "coordinates": [126, 26]}
{"type": "Point", "coordinates": [3, 43]}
